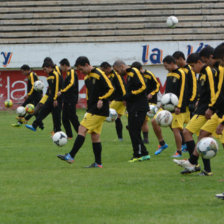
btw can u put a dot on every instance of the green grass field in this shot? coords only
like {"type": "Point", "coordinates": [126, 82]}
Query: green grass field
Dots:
{"type": "Point", "coordinates": [36, 187]}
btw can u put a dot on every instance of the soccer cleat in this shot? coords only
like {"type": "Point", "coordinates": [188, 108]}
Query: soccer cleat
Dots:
{"type": "Point", "coordinates": [67, 158]}
{"type": "Point", "coordinates": [120, 139]}
{"type": "Point", "coordinates": [52, 133]}
{"type": "Point", "coordinates": [176, 155]}
{"type": "Point", "coordinates": [134, 159]}
{"type": "Point", "coordinates": [221, 196]}
{"type": "Point", "coordinates": [160, 149]}
{"type": "Point", "coordinates": [30, 127]}
{"type": "Point", "coordinates": [95, 165]}
{"type": "Point", "coordinates": [143, 158]}
{"type": "Point", "coordinates": [184, 148]}
{"type": "Point", "coordinates": [197, 169]}
{"type": "Point", "coordinates": [185, 164]}
{"type": "Point", "coordinates": [21, 120]}
{"type": "Point", "coordinates": [205, 173]}
{"type": "Point", "coordinates": [16, 125]}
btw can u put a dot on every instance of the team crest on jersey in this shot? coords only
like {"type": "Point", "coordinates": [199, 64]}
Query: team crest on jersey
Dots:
{"type": "Point", "coordinates": [94, 81]}
{"type": "Point", "coordinates": [174, 79]}
{"type": "Point", "coordinates": [128, 78]}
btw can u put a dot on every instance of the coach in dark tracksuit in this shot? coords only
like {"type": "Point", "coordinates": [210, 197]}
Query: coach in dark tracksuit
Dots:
{"type": "Point", "coordinates": [70, 98]}
{"type": "Point", "coordinates": [137, 107]}
{"type": "Point", "coordinates": [54, 102]}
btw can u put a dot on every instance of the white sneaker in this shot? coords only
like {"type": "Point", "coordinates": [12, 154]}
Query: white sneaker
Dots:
{"type": "Point", "coordinates": [220, 196]}
{"type": "Point", "coordinates": [185, 164]}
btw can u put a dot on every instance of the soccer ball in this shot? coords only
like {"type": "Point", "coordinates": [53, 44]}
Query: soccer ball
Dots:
{"type": "Point", "coordinates": [164, 118]}
{"type": "Point", "coordinates": [112, 115]}
{"type": "Point", "coordinates": [60, 138]}
{"type": "Point", "coordinates": [169, 101]}
{"type": "Point", "coordinates": [38, 85]}
{"type": "Point", "coordinates": [20, 111]}
{"type": "Point", "coordinates": [8, 103]}
{"type": "Point", "coordinates": [171, 21]}
{"type": "Point", "coordinates": [152, 111]}
{"type": "Point", "coordinates": [207, 147]}
{"type": "Point", "coordinates": [29, 108]}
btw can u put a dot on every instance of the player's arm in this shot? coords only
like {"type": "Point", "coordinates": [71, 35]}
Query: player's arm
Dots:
{"type": "Point", "coordinates": [194, 85]}
{"type": "Point", "coordinates": [140, 80]}
{"type": "Point", "coordinates": [71, 83]}
{"type": "Point", "coordinates": [55, 86]}
{"type": "Point", "coordinates": [108, 85]}
{"type": "Point", "coordinates": [121, 84]}
{"type": "Point", "coordinates": [211, 86]}
{"type": "Point", "coordinates": [32, 84]}
{"type": "Point", "coordinates": [156, 84]}
{"type": "Point", "coordinates": [182, 89]}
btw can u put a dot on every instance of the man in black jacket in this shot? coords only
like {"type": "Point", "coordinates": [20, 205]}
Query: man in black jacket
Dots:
{"type": "Point", "coordinates": [99, 89]}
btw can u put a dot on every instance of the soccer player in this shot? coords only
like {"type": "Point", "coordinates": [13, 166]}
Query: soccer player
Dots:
{"type": "Point", "coordinates": [176, 84]}
{"type": "Point", "coordinates": [99, 89]}
{"type": "Point", "coordinates": [152, 88]}
{"type": "Point", "coordinates": [70, 97]}
{"type": "Point", "coordinates": [118, 102]}
{"type": "Point", "coordinates": [53, 103]}
{"type": "Point", "coordinates": [137, 107]}
{"type": "Point", "coordinates": [206, 99]}
{"type": "Point", "coordinates": [32, 96]}
{"type": "Point", "coordinates": [191, 89]}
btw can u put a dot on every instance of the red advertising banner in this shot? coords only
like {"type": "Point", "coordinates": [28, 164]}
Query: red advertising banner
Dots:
{"type": "Point", "coordinates": [13, 85]}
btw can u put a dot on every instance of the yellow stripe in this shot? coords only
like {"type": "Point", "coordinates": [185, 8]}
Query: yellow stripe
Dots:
{"type": "Point", "coordinates": [50, 77]}
{"type": "Point", "coordinates": [173, 75]}
{"type": "Point", "coordinates": [194, 87]}
{"type": "Point", "coordinates": [111, 88]}
{"type": "Point", "coordinates": [221, 71]}
{"type": "Point", "coordinates": [211, 85]}
{"type": "Point", "coordinates": [140, 77]}
{"type": "Point", "coordinates": [32, 83]}
{"type": "Point", "coordinates": [121, 83]}
{"type": "Point", "coordinates": [58, 70]}
{"type": "Point", "coordinates": [157, 84]}
{"type": "Point", "coordinates": [94, 75]}
{"type": "Point", "coordinates": [56, 85]}
{"type": "Point", "coordinates": [148, 77]}
{"type": "Point", "coordinates": [44, 99]}
{"type": "Point", "coordinates": [182, 89]}
{"type": "Point", "coordinates": [72, 73]}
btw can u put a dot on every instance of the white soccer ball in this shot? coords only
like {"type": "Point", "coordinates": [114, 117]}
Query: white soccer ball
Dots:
{"type": "Point", "coordinates": [152, 111]}
{"type": "Point", "coordinates": [38, 85]}
{"type": "Point", "coordinates": [164, 118]}
{"type": "Point", "coordinates": [21, 111]}
{"type": "Point", "coordinates": [207, 147]}
{"type": "Point", "coordinates": [60, 138]}
{"type": "Point", "coordinates": [171, 21]}
{"type": "Point", "coordinates": [169, 101]}
{"type": "Point", "coordinates": [112, 115]}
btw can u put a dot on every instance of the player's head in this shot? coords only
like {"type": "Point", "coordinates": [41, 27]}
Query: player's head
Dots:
{"type": "Point", "coordinates": [137, 65]}
{"type": "Point", "coordinates": [48, 66]}
{"type": "Point", "coordinates": [83, 65]}
{"type": "Point", "coordinates": [120, 67]}
{"type": "Point", "coordinates": [219, 53]}
{"type": "Point", "coordinates": [25, 69]}
{"type": "Point", "coordinates": [169, 63]}
{"type": "Point", "coordinates": [206, 55]}
{"type": "Point", "coordinates": [195, 61]}
{"type": "Point", "coordinates": [179, 58]}
{"type": "Point", "coordinates": [106, 67]}
{"type": "Point", "coordinates": [64, 65]}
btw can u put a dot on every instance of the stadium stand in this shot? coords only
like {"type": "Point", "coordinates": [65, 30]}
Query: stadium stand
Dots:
{"type": "Point", "coordinates": [52, 21]}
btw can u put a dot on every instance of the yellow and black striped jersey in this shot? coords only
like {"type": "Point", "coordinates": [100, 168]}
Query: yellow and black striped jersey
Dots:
{"type": "Point", "coordinates": [98, 87]}
{"type": "Point", "coordinates": [32, 77]}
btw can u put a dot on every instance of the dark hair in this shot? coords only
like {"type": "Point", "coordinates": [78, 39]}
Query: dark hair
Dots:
{"type": "Point", "coordinates": [219, 51]}
{"type": "Point", "coordinates": [169, 59]}
{"type": "Point", "coordinates": [48, 64]}
{"type": "Point", "coordinates": [82, 60]}
{"type": "Point", "coordinates": [64, 61]}
{"type": "Point", "coordinates": [25, 68]}
{"type": "Point", "coordinates": [193, 58]}
{"type": "Point", "coordinates": [105, 65]}
{"type": "Point", "coordinates": [206, 52]}
{"type": "Point", "coordinates": [178, 54]}
{"type": "Point", "coordinates": [137, 65]}
{"type": "Point", "coordinates": [48, 59]}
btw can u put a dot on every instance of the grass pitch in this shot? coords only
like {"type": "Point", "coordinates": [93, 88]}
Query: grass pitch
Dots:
{"type": "Point", "coordinates": [36, 187]}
